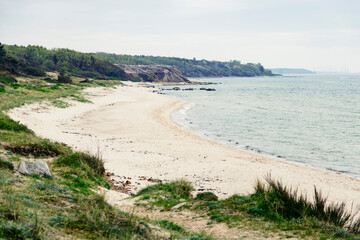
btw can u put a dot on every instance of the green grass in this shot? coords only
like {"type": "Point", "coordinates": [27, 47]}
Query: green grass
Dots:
{"type": "Point", "coordinates": [277, 201]}
{"type": "Point", "coordinates": [8, 124]}
{"type": "Point", "coordinates": [6, 164]}
{"type": "Point", "coordinates": [66, 205]}
{"type": "Point", "coordinates": [6, 79]}
{"type": "Point", "coordinates": [167, 195]}
{"type": "Point", "coordinates": [272, 208]}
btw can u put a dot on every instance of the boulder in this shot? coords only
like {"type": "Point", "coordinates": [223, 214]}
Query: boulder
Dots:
{"type": "Point", "coordinates": [31, 168]}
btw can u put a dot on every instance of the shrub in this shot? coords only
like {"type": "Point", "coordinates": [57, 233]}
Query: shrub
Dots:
{"type": "Point", "coordinates": [206, 196]}
{"type": "Point", "coordinates": [62, 78]}
{"type": "Point", "coordinates": [6, 164]}
{"type": "Point", "coordinates": [5, 79]}
{"type": "Point", "coordinates": [11, 125]}
{"type": "Point", "coordinates": [34, 71]}
{"type": "Point", "coordinates": [95, 215]}
{"type": "Point", "coordinates": [95, 162]}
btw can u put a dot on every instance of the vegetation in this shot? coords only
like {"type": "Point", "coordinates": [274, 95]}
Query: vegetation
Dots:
{"type": "Point", "coordinates": [167, 195]}
{"type": "Point", "coordinates": [192, 67]}
{"type": "Point", "coordinates": [66, 205]}
{"type": "Point", "coordinates": [271, 208]}
{"type": "Point", "coordinates": [36, 60]}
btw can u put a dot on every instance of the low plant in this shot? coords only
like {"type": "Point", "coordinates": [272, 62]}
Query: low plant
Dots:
{"type": "Point", "coordinates": [6, 164]}
{"type": "Point", "coordinates": [7, 123]}
{"type": "Point", "coordinates": [277, 200]}
{"type": "Point", "coordinates": [169, 194]}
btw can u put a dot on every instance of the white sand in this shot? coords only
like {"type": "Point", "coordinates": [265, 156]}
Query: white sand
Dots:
{"type": "Point", "coordinates": [133, 129]}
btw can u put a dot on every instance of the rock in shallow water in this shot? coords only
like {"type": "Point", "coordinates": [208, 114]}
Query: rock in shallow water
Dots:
{"type": "Point", "coordinates": [31, 168]}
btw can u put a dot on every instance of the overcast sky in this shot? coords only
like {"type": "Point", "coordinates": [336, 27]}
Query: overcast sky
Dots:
{"type": "Point", "coordinates": [320, 35]}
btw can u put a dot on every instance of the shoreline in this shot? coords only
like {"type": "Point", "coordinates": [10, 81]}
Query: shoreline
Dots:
{"type": "Point", "coordinates": [133, 128]}
{"type": "Point", "coordinates": [249, 149]}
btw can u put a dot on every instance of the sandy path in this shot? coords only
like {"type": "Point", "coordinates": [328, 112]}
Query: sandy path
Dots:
{"type": "Point", "coordinates": [133, 129]}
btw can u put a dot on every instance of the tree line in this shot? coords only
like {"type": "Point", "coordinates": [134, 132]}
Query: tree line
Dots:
{"type": "Point", "coordinates": [192, 67]}
{"type": "Point", "coordinates": [35, 60]}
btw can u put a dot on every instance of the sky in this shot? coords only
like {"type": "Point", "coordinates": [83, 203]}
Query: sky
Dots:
{"type": "Point", "coordinates": [319, 35]}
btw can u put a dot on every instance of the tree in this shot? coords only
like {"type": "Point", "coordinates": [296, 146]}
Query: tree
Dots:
{"type": "Point", "coordinates": [2, 53]}
{"type": "Point", "coordinates": [63, 76]}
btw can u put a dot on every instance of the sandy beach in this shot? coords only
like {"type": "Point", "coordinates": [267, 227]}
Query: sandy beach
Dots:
{"type": "Point", "coordinates": [131, 126]}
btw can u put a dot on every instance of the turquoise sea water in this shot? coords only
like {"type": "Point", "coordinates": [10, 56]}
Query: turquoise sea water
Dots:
{"type": "Point", "coordinates": [308, 119]}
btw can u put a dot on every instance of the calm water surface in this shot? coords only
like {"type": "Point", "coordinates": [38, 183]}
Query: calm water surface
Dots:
{"type": "Point", "coordinates": [308, 119]}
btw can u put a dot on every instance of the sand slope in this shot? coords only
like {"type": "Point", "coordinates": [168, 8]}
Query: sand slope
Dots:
{"type": "Point", "coordinates": [133, 129]}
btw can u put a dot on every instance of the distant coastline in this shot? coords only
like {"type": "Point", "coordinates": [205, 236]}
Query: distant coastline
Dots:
{"type": "Point", "coordinates": [291, 71]}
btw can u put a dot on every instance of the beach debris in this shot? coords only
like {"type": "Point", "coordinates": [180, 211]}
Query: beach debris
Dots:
{"type": "Point", "coordinates": [124, 185]}
{"type": "Point", "coordinates": [34, 168]}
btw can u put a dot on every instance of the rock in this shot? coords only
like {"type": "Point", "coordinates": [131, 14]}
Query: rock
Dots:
{"type": "Point", "coordinates": [177, 206]}
{"type": "Point", "coordinates": [154, 73]}
{"type": "Point", "coordinates": [31, 168]}
{"type": "Point", "coordinates": [208, 89]}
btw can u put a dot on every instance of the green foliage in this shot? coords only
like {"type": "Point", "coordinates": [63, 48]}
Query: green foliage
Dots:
{"type": "Point", "coordinates": [12, 230]}
{"type": "Point", "coordinates": [5, 79]}
{"type": "Point", "coordinates": [2, 53]}
{"type": "Point", "coordinates": [78, 159]}
{"type": "Point", "coordinates": [33, 60]}
{"type": "Point", "coordinates": [98, 217]}
{"type": "Point", "coordinates": [6, 164]}
{"type": "Point", "coordinates": [206, 196]}
{"type": "Point", "coordinates": [63, 78]}
{"type": "Point", "coordinates": [193, 67]}
{"type": "Point", "coordinates": [171, 226]}
{"type": "Point", "coordinates": [7, 123]}
{"type": "Point", "coordinates": [168, 194]}
{"type": "Point", "coordinates": [277, 200]}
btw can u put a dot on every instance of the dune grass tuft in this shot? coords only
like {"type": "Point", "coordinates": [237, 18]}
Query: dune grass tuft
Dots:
{"type": "Point", "coordinates": [279, 201]}
{"type": "Point", "coordinates": [169, 194]}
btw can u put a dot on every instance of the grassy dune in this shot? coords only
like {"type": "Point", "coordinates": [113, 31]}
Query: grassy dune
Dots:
{"type": "Point", "coordinates": [66, 205]}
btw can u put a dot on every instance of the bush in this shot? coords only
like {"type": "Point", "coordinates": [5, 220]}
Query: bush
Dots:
{"type": "Point", "coordinates": [11, 125]}
{"type": "Point", "coordinates": [94, 162]}
{"type": "Point", "coordinates": [95, 215]}
{"type": "Point", "coordinates": [6, 164]}
{"type": "Point", "coordinates": [62, 78]}
{"type": "Point", "coordinates": [5, 79]}
{"type": "Point", "coordinates": [206, 196]}
{"type": "Point", "coordinates": [34, 71]}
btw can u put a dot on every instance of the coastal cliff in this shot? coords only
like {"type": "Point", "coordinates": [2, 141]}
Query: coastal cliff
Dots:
{"type": "Point", "coordinates": [154, 73]}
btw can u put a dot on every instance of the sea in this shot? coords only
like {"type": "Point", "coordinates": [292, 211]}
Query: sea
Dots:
{"type": "Point", "coordinates": [312, 120]}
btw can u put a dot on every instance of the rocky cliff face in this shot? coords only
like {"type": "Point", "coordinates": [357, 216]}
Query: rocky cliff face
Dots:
{"type": "Point", "coordinates": [154, 73]}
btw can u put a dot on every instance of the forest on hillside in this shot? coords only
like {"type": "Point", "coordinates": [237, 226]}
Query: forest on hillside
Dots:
{"type": "Point", "coordinates": [192, 67]}
{"type": "Point", "coordinates": [36, 60]}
